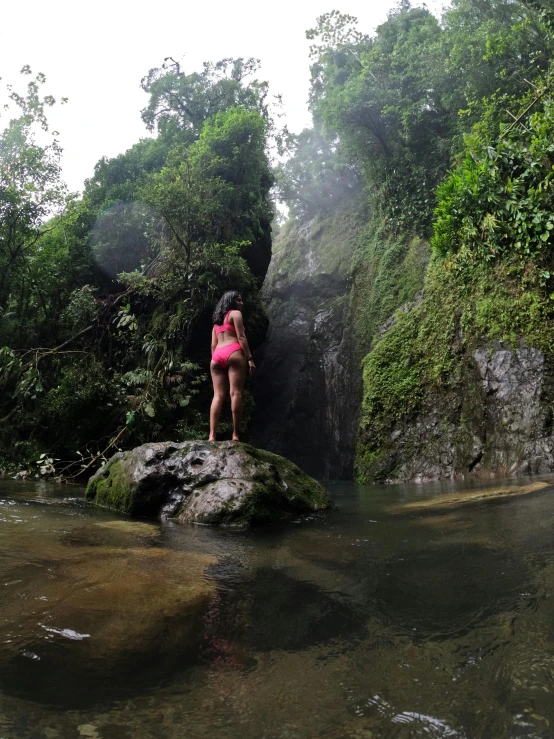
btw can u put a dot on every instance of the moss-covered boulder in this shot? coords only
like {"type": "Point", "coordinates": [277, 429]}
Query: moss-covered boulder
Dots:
{"type": "Point", "coordinates": [206, 482]}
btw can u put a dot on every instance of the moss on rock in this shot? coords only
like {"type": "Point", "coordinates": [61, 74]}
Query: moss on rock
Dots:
{"type": "Point", "coordinates": [388, 272]}
{"type": "Point", "coordinates": [443, 378]}
{"type": "Point", "coordinates": [111, 488]}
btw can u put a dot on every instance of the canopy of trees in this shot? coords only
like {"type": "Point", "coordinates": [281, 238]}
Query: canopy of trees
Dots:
{"type": "Point", "coordinates": [397, 105]}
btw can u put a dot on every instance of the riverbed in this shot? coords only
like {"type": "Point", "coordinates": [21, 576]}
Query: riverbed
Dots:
{"type": "Point", "coordinates": [411, 611]}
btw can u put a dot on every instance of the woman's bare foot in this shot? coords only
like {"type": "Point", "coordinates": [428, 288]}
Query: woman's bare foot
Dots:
{"type": "Point", "coordinates": [235, 438]}
{"type": "Point", "coordinates": [211, 438]}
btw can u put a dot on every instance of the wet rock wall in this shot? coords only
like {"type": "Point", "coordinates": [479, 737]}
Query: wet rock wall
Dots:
{"type": "Point", "coordinates": [497, 422]}
{"type": "Point", "coordinates": [308, 385]}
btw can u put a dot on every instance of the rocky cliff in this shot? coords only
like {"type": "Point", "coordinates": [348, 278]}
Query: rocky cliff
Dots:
{"type": "Point", "coordinates": [460, 382]}
{"type": "Point", "coordinates": [308, 386]}
{"type": "Point", "coordinates": [497, 421]}
{"type": "Point", "coordinates": [332, 281]}
{"type": "Point", "coordinates": [457, 383]}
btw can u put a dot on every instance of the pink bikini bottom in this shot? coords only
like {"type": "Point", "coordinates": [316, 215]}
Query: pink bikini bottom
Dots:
{"type": "Point", "coordinates": [222, 353]}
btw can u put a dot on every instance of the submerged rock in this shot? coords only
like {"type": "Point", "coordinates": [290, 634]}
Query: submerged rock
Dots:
{"type": "Point", "coordinates": [206, 482]}
{"type": "Point", "coordinates": [464, 498]}
{"type": "Point", "coordinates": [136, 614]}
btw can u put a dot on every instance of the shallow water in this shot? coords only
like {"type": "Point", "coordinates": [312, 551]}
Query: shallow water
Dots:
{"type": "Point", "coordinates": [389, 618]}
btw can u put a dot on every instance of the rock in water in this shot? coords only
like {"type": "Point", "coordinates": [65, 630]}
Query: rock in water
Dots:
{"type": "Point", "coordinates": [206, 482]}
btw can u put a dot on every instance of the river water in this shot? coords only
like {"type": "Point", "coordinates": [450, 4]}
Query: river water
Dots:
{"type": "Point", "coordinates": [411, 611]}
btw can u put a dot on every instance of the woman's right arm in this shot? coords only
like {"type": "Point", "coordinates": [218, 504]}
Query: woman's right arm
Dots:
{"type": "Point", "coordinates": [243, 341]}
{"type": "Point", "coordinates": [214, 340]}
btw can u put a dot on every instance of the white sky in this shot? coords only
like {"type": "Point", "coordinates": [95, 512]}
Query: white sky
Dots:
{"type": "Point", "coordinates": [96, 53]}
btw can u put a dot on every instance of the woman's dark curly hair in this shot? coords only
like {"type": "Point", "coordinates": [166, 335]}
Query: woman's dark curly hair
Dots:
{"type": "Point", "coordinates": [228, 302]}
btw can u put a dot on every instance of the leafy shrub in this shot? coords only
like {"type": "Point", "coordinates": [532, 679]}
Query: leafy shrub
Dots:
{"type": "Point", "coordinates": [500, 199]}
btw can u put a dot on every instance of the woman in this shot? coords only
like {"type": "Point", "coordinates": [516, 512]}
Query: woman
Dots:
{"type": "Point", "coordinates": [230, 357]}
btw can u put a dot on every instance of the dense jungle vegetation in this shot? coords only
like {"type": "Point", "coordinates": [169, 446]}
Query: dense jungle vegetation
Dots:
{"type": "Point", "coordinates": [440, 128]}
{"type": "Point", "coordinates": [106, 299]}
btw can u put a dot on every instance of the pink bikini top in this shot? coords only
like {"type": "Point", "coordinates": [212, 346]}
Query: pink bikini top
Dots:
{"type": "Point", "coordinates": [225, 326]}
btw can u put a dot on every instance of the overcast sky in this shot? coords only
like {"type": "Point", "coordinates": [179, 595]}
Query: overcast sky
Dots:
{"type": "Point", "coordinates": [96, 54]}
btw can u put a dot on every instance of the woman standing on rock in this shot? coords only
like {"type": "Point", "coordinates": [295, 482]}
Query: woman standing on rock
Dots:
{"type": "Point", "coordinates": [230, 357]}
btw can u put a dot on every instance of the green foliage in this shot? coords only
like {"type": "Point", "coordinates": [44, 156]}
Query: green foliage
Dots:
{"type": "Point", "coordinates": [30, 191]}
{"type": "Point", "coordinates": [119, 222]}
{"type": "Point", "coordinates": [392, 372]}
{"type": "Point", "coordinates": [424, 354]}
{"type": "Point", "coordinates": [181, 104]}
{"type": "Point", "coordinates": [117, 180]}
{"type": "Point", "coordinates": [120, 240]}
{"type": "Point", "coordinates": [400, 101]}
{"type": "Point", "coordinates": [379, 95]}
{"type": "Point", "coordinates": [500, 198]}
{"type": "Point", "coordinates": [489, 280]}
{"type": "Point", "coordinates": [82, 308]}
{"type": "Point", "coordinates": [387, 273]}
{"type": "Point", "coordinates": [217, 190]}
{"type": "Point", "coordinates": [105, 310]}
{"type": "Point", "coordinates": [492, 52]}
{"type": "Point", "coordinates": [198, 156]}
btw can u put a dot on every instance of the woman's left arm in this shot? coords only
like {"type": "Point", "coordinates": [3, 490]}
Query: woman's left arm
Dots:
{"type": "Point", "coordinates": [241, 337]}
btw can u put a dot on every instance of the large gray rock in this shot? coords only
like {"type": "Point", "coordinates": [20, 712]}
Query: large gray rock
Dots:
{"type": "Point", "coordinates": [496, 421]}
{"type": "Point", "coordinates": [206, 482]}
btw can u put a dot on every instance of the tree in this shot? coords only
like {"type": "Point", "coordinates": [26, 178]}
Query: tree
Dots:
{"type": "Point", "coordinates": [31, 191]}
{"type": "Point", "coordinates": [379, 95]}
{"type": "Point", "coordinates": [400, 102]}
{"type": "Point", "coordinates": [126, 230]}
{"type": "Point", "coordinates": [128, 276]}
{"type": "Point", "coordinates": [217, 190]}
{"type": "Point", "coordinates": [498, 201]}
{"type": "Point", "coordinates": [180, 104]}
{"type": "Point", "coordinates": [493, 54]}
{"type": "Point", "coordinates": [317, 176]}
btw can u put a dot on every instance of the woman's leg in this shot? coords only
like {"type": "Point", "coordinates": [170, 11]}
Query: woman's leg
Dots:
{"type": "Point", "coordinates": [237, 375]}
{"type": "Point", "coordinates": [219, 379]}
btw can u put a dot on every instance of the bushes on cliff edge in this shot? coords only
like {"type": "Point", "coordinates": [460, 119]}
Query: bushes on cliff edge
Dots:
{"type": "Point", "coordinates": [500, 199]}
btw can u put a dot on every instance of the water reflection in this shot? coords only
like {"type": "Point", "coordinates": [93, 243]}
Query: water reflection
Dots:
{"type": "Point", "coordinates": [390, 618]}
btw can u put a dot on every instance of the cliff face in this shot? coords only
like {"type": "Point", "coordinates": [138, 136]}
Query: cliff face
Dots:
{"type": "Point", "coordinates": [496, 421]}
{"type": "Point", "coordinates": [331, 282]}
{"type": "Point", "coordinates": [308, 385]}
{"type": "Point", "coordinates": [516, 390]}
{"type": "Point", "coordinates": [461, 381]}
{"type": "Point", "coordinates": [436, 399]}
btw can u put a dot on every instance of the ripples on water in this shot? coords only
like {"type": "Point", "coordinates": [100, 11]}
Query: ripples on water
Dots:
{"type": "Point", "coordinates": [387, 619]}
